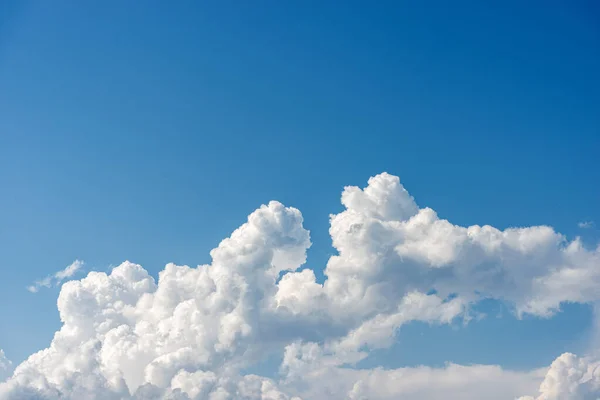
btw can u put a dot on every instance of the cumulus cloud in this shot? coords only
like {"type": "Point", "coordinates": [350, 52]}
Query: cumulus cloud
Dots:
{"type": "Point", "coordinates": [388, 247]}
{"type": "Point", "coordinates": [192, 333]}
{"type": "Point", "coordinates": [570, 378]}
{"type": "Point", "coordinates": [57, 278]}
{"type": "Point", "coordinates": [585, 224]}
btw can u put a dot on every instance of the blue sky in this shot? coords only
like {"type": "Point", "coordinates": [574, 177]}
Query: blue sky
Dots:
{"type": "Point", "coordinates": [150, 133]}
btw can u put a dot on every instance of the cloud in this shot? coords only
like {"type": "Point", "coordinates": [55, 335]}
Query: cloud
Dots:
{"type": "Point", "coordinates": [319, 378]}
{"type": "Point", "coordinates": [388, 247]}
{"type": "Point", "coordinates": [190, 334]}
{"type": "Point", "coordinates": [5, 366]}
{"type": "Point", "coordinates": [585, 224]}
{"type": "Point", "coordinates": [570, 378]}
{"type": "Point", "coordinates": [57, 278]}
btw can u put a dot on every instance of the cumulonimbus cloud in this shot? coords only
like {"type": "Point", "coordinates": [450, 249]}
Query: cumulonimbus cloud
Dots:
{"type": "Point", "coordinates": [192, 333]}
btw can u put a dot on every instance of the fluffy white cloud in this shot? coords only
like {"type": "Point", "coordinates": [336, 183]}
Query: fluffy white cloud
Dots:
{"type": "Point", "coordinates": [570, 378]}
{"type": "Point", "coordinates": [388, 247]}
{"type": "Point", "coordinates": [123, 334]}
{"type": "Point", "coordinates": [191, 333]}
{"type": "Point", "coordinates": [57, 278]}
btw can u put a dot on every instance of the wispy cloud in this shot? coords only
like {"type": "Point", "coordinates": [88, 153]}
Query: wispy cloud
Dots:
{"type": "Point", "coordinates": [57, 278]}
{"type": "Point", "coordinates": [5, 366]}
{"type": "Point", "coordinates": [585, 224]}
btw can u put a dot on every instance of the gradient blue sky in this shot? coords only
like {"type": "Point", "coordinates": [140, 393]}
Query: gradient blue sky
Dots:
{"type": "Point", "coordinates": [150, 132]}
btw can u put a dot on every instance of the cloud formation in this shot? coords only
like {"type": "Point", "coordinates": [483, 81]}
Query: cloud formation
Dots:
{"type": "Point", "coordinates": [572, 378]}
{"type": "Point", "coordinates": [57, 278]}
{"type": "Point", "coordinates": [5, 366]}
{"type": "Point", "coordinates": [585, 224]}
{"type": "Point", "coordinates": [192, 333]}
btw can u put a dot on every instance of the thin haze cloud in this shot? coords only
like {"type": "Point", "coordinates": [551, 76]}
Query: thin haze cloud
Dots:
{"type": "Point", "coordinates": [57, 278]}
{"type": "Point", "coordinates": [586, 224]}
{"type": "Point", "coordinates": [5, 366]}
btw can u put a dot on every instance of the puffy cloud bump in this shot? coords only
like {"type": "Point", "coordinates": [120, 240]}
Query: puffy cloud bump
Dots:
{"type": "Point", "coordinates": [192, 333]}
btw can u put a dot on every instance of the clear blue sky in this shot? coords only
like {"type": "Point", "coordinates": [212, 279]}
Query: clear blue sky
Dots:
{"type": "Point", "coordinates": [149, 132]}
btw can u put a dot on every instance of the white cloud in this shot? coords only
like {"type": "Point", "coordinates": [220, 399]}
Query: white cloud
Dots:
{"type": "Point", "coordinates": [189, 335]}
{"type": "Point", "coordinates": [388, 247]}
{"type": "Point", "coordinates": [57, 278]}
{"type": "Point", "coordinates": [570, 378]}
{"type": "Point", "coordinates": [320, 378]}
{"type": "Point", "coordinates": [585, 224]}
{"type": "Point", "coordinates": [5, 366]}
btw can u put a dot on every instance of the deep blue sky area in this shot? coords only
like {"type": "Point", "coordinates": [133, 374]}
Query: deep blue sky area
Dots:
{"type": "Point", "coordinates": [149, 131]}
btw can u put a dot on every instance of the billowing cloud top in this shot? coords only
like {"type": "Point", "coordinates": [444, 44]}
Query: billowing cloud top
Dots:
{"type": "Point", "coordinates": [193, 333]}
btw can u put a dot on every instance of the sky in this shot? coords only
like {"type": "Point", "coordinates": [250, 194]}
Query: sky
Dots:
{"type": "Point", "coordinates": [141, 135]}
